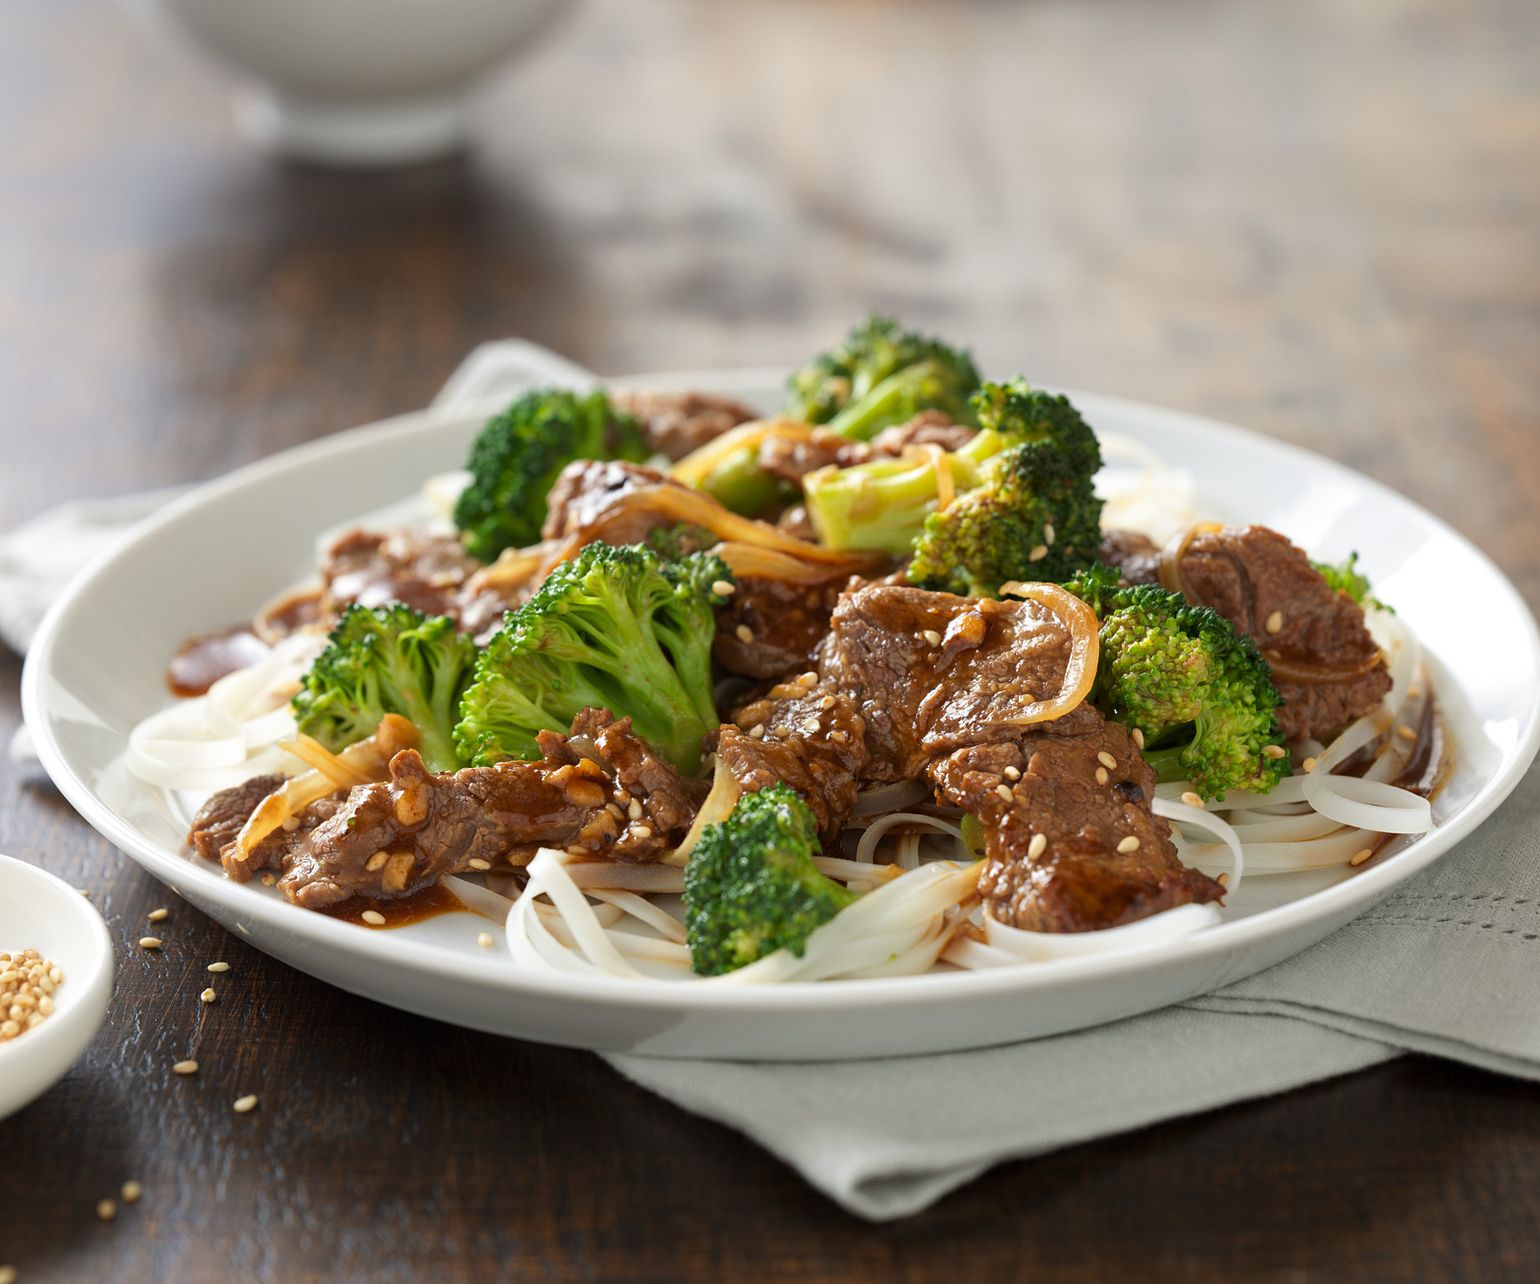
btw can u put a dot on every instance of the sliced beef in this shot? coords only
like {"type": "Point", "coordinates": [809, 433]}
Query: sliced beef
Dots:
{"type": "Point", "coordinates": [770, 627]}
{"type": "Point", "coordinates": [934, 672]}
{"type": "Point", "coordinates": [1071, 843]}
{"type": "Point", "coordinates": [1327, 667]}
{"type": "Point", "coordinates": [1136, 557]}
{"type": "Point", "coordinates": [793, 458]}
{"type": "Point", "coordinates": [423, 569]}
{"type": "Point", "coordinates": [224, 815]}
{"type": "Point", "coordinates": [586, 491]}
{"type": "Point", "coordinates": [804, 735]}
{"type": "Point", "coordinates": [678, 422]}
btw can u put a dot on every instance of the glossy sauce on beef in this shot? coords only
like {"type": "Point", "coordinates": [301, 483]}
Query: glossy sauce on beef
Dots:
{"type": "Point", "coordinates": [425, 903]}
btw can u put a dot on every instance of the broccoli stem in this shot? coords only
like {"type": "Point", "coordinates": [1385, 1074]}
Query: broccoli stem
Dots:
{"type": "Point", "coordinates": [741, 485]}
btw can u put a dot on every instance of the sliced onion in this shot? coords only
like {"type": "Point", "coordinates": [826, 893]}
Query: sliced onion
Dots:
{"type": "Point", "coordinates": [716, 808]}
{"type": "Point", "coordinates": [1085, 646]}
{"type": "Point", "coordinates": [700, 463]}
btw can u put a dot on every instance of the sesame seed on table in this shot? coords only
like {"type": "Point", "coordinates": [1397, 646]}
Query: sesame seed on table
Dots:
{"type": "Point", "coordinates": [1312, 219]}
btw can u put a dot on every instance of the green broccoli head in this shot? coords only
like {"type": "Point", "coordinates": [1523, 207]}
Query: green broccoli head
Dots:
{"type": "Point", "coordinates": [515, 460]}
{"type": "Point", "coordinates": [1348, 579]}
{"type": "Point", "coordinates": [1200, 692]}
{"type": "Point", "coordinates": [388, 659]}
{"type": "Point", "coordinates": [879, 376]}
{"type": "Point", "coordinates": [617, 628]}
{"type": "Point", "coordinates": [1024, 506]}
{"type": "Point", "coordinates": [751, 887]}
{"type": "Point", "coordinates": [1034, 516]}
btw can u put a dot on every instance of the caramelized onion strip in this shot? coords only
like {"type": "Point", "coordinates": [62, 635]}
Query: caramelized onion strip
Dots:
{"type": "Point", "coordinates": [695, 467]}
{"type": "Point", "coordinates": [1175, 550]}
{"type": "Point", "coordinates": [1085, 649]}
{"type": "Point", "coordinates": [369, 759]}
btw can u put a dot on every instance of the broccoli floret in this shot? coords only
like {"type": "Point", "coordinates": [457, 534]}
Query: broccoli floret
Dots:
{"type": "Point", "coordinates": [388, 659]}
{"type": "Point", "coordinates": [751, 888]}
{"type": "Point", "coordinates": [1197, 689]}
{"type": "Point", "coordinates": [515, 460]}
{"type": "Point", "coordinates": [1025, 505]}
{"type": "Point", "coordinates": [1348, 579]}
{"type": "Point", "coordinates": [621, 629]}
{"type": "Point", "coordinates": [879, 376]}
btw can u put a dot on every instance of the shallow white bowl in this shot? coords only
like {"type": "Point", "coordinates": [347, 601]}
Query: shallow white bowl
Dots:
{"type": "Point", "coordinates": [354, 82]}
{"type": "Point", "coordinates": [43, 913]}
{"type": "Point", "coordinates": [214, 555]}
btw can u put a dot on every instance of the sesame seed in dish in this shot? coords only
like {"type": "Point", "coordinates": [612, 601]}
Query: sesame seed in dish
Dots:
{"type": "Point", "coordinates": [27, 985]}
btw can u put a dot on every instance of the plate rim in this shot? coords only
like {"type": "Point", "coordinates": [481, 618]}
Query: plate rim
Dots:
{"type": "Point", "coordinates": [1348, 898]}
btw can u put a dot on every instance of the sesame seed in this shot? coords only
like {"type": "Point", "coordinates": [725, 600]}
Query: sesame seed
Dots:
{"type": "Point", "coordinates": [1192, 799]}
{"type": "Point", "coordinates": [1101, 776]}
{"type": "Point", "coordinates": [1005, 793]}
{"type": "Point", "coordinates": [1038, 553]}
{"type": "Point", "coordinates": [269, 880]}
{"type": "Point", "coordinates": [244, 1105]}
{"type": "Point", "coordinates": [810, 727]}
{"type": "Point", "coordinates": [376, 862]}
{"type": "Point", "coordinates": [1037, 846]}
{"type": "Point", "coordinates": [1406, 732]}
{"type": "Point", "coordinates": [476, 862]}
{"type": "Point", "coordinates": [484, 939]}
{"type": "Point", "coordinates": [84, 892]}
{"type": "Point", "coordinates": [827, 702]}
{"type": "Point", "coordinates": [840, 737]}
{"type": "Point", "coordinates": [642, 831]}
{"type": "Point", "coordinates": [1414, 693]}
{"type": "Point", "coordinates": [1308, 765]}
{"type": "Point", "coordinates": [1275, 751]}
{"type": "Point", "coordinates": [185, 1067]}
{"type": "Point", "coordinates": [132, 1190]}
{"type": "Point", "coordinates": [759, 731]}
{"type": "Point", "coordinates": [1048, 532]}
{"type": "Point", "coordinates": [723, 588]}
{"type": "Point", "coordinates": [149, 942]}
{"type": "Point", "coordinates": [1012, 773]}
{"type": "Point", "coordinates": [373, 917]}
{"type": "Point", "coordinates": [1222, 879]}
{"type": "Point", "coordinates": [219, 967]}
{"type": "Point", "coordinates": [1106, 759]}
{"type": "Point", "coordinates": [1138, 738]}
{"type": "Point", "coordinates": [931, 636]}
{"type": "Point", "coordinates": [744, 633]}
{"type": "Point", "coordinates": [159, 915]}
{"type": "Point", "coordinates": [1274, 622]}
{"type": "Point", "coordinates": [1360, 856]}
{"type": "Point", "coordinates": [1129, 844]}
{"type": "Point", "coordinates": [107, 1209]}
{"type": "Point", "coordinates": [634, 811]}
{"type": "Point", "coordinates": [209, 995]}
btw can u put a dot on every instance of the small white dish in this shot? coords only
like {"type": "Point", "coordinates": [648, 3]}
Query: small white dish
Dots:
{"type": "Point", "coordinates": [44, 913]}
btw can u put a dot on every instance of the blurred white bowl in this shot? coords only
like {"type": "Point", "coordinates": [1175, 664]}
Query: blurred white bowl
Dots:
{"type": "Point", "coordinates": [354, 82]}
{"type": "Point", "coordinates": [44, 913]}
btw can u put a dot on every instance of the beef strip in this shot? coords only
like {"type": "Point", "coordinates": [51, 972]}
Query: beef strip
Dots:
{"type": "Point", "coordinates": [678, 422]}
{"type": "Point", "coordinates": [425, 570]}
{"type": "Point", "coordinates": [1265, 586]}
{"type": "Point", "coordinates": [587, 488]}
{"type": "Point", "coordinates": [1134, 556]}
{"type": "Point", "coordinates": [936, 672]}
{"type": "Point", "coordinates": [222, 817]}
{"type": "Point", "coordinates": [601, 792]}
{"type": "Point", "coordinates": [805, 735]}
{"type": "Point", "coordinates": [793, 459]}
{"type": "Point", "coordinates": [771, 627]}
{"type": "Point", "coordinates": [1080, 880]}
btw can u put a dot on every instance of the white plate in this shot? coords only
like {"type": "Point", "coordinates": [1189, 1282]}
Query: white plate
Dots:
{"type": "Point", "coordinates": [211, 557]}
{"type": "Point", "coordinates": [43, 913]}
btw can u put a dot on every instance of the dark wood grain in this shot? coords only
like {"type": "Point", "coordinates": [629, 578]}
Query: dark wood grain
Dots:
{"type": "Point", "coordinates": [1318, 219]}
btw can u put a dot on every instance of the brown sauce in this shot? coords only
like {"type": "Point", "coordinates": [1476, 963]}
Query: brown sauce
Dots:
{"type": "Point", "coordinates": [202, 661]}
{"type": "Point", "coordinates": [425, 903]}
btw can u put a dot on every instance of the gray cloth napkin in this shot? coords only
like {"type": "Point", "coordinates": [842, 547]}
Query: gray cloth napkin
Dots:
{"type": "Point", "coordinates": [1449, 966]}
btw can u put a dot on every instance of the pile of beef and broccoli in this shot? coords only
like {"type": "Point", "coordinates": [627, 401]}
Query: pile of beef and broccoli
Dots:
{"type": "Point", "coordinates": [644, 592]}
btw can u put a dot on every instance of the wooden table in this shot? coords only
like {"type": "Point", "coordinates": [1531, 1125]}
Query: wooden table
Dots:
{"type": "Point", "coordinates": [1318, 219]}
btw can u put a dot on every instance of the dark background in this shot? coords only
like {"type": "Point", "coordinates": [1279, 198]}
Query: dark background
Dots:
{"type": "Point", "coordinates": [1319, 219]}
